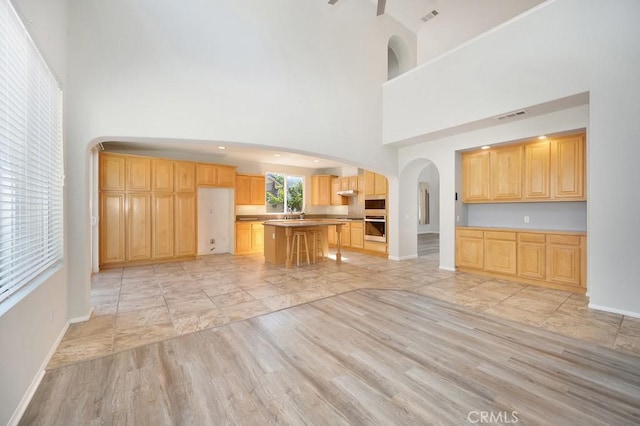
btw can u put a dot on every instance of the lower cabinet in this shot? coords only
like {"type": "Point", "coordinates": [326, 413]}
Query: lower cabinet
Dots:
{"type": "Point", "coordinates": [551, 259]}
{"type": "Point", "coordinates": [249, 237]}
{"type": "Point", "coordinates": [357, 234]}
{"type": "Point", "coordinates": [186, 225]}
{"type": "Point", "coordinates": [138, 244]}
{"type": "Point", "coordinates": [112, 228]}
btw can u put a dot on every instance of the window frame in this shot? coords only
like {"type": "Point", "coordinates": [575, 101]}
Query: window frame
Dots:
{"type": "Point", "coordinates": [286, 176]}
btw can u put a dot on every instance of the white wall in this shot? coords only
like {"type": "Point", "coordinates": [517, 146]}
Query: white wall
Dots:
{"type": "Point", "coordinates": [294, 75]}
{"type": "Point", "coordinates": [215, 220]}
{"type": "Point", "coordinates": [29, 331]}
{"type": "Point", "coordinates": [471, 17]}
{"type": "Point", "coordinates": [564, 48]}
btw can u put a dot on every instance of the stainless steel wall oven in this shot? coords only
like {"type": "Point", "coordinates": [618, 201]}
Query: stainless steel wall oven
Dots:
{"type": "Point", "coordinates": [375, 218]}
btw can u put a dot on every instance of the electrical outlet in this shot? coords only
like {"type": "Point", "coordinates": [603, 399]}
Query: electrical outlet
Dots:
{"type": "Point", "coordinates": [212, 241]}
{"type": "Point", "coordinates": [526, 219]}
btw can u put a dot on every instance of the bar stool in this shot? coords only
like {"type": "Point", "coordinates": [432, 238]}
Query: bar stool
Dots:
{"type": "Point", "coordinates": [317, 244]}
{"type": "Point", "coordinates": [296, 246]}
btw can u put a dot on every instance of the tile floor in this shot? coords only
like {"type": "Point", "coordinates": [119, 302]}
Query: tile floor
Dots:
{"type": "Point", "coordinates": [140, 305]}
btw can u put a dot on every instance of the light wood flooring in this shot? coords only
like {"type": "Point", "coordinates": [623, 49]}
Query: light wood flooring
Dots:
{"type": "Point", "coordinates": [363, 357]}
{"type": "Point", "coordinates": [428, 243]}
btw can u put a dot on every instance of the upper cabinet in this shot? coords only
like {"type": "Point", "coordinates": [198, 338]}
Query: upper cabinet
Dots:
{"type": "Point", "coordinates": [185, 176]}
{"type": "Point", "coordinates": [374, 184]}
{"type": "Point", "coordinates": [321, 190]}
{"type": "Point", "coordinates": [162, 175]}
{"type": "Point", "coordinates": [250, 190]}
{"type": "Point", "coordinates": [547, 170]}
{"type": "Point", "coordinates": [138, 174]}
{"type": "Point", "coordinates": [215, 175]}
{"type": "Point", "coordinates": [112, 172]}
{"type": "Point", "coordinates": [337, 200]}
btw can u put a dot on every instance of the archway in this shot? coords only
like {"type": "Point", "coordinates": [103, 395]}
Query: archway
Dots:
{"type": "Point", "coordinates": [399, 58]}
{"type": "Point", "coordinates": [428, 196]}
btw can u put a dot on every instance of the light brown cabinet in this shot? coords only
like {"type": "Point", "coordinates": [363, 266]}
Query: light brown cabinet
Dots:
{"type": "Point", "coordinates": [374, 183]}
{"type": "Point", "coordinates": [163, 222]}
{"type": "Point", "coordinates": [147, 210]}
{"type": "Point", "coordinates": [357, 234]}
{"type": "Point", "coordinates": [476, 176]}
{"type": "Point", "coordinates": [361, 190]}
{"type": "Point", "coordinates": [500, 252]}
{"type": "Point", "coordinates": [321, 190]}
{"type": "Point", "coordinates": [112, 172]}
{"type": "Point", "coordinates": [112, 227]}
{"type": "Point", "coordinates": [470, 249]}
{"type": "Point", "coordinates": [162, 175]}
{"type": "Point", "coordinates": [138, 174]}
{"type": "Point", "coordinates": [249, 237]}
{"type": "Point", "coordinates": [532, 256]}
{"type": "Point", "coordinates": [185, 176]}
{"type": "Point", "coordinates": [548, 170]}
{"type": "Point", "coordinates": [186, 224]}
{"type": "Point", "coordinates": [506, 173]}
{"type": "Point", "coordinates": [337, 200]}
{"type": "Point", "coordinates": [250, 190]}
{"type": "Point", "coordinates": [214, 175]}
{"type": "Point", "coordinates": [138, 238]}
{"type": "Point", "coordinates": [554, 260]}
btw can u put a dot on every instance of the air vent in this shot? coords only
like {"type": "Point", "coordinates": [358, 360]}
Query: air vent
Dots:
{"type": "Point", "coordinates": [512, 115]}
{"type": "Point", "coordinates": [430, 15]}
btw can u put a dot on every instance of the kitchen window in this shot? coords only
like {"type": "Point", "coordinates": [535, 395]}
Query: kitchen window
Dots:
{"type": "Point", "coordinates": [284, 193]}
{"type": "Point", "coordinates": [31, 162]}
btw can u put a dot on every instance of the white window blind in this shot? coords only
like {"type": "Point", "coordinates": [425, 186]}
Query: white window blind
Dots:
{"type": "Point", "coordinates": [31, 159]}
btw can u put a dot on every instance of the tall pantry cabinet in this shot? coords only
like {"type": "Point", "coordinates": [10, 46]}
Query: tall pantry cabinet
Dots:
{"type": "Point", "coordinates": [147, 210]}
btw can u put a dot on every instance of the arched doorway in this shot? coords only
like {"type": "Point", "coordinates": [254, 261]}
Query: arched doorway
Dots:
{"type": "Point", "coordinates": [399, 58]}
{"type": "Point", "coordinates": [428, 200]}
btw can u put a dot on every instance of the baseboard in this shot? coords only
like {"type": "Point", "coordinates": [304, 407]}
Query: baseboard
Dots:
{"type": "Point", "coordinates": [446, 268]}
{"type": "Point", "coordinates": [411, 256]}
{"type": "Point", "coordinates": [82, 318]}
{"type": "Point", "coordinates": [614, 311]}
{"type": "Point", "coordinates": [26, 399]}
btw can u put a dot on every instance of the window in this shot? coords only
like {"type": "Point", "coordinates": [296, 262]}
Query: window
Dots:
{"type": "Point", "coordinates": [281, 191]}
{"type": "Point", "coordinates": [31, 159]}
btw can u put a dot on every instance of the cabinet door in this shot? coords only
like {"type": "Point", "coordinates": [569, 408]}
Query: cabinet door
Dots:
{"type": "Point", "coordinates": [357, 235]}
{"type": "Point", "coordinates": [243, 238]}
{"type": "Point", "coordinates": [369, 183]}
{"type": "Point", "coordinates": [112, 172]}
{"type": "Point", "coordinates": [506, 173]}
{"type": "Point", "coordinates": [331, 235]}
{"type": "Point", "coordinates": [564, 259]}
{"type": "Point", "coordinates": [138, 227]}
{"type": "Point", "coordinates": [138, 174]}
{"type": "Point", "coordinates": [243, 190]}
{"type": "Point", "coordinates": [257, 196]}
{"type": "Point", "coordinates": [476, 169]}
{"type": "Point", "coordinates": [162, 180]}
{"type": "Point", "coordinates": [337, 200]}
{"type": "Point", "coordinates": [361, 190]}
{"type": "Point", "coordinates": [186, 225]}
{"type": "Point", "coordinates": [532, 256]}
{"type": "Point", "coordinates": [537, 160]}
{"type": "Point", "coordinates": [163, 226]}
{"type": "Point", "coordinates": [470, 249]}
{"type": "Point", "coordinates": [500, 252]}
{"type": "Point", "coordinates": [345, 235]}
{"type": "Point", "coordinates": [112, 228]}
{"type": "Point", "coordinates": [206, 174]}
{"type": "Point", "coordinates": [257, 237]}
{"type": "Point", "coordinates": [185, 176]}
{"type": "Point", "coordinates": [344, 184]}
{"type": "Point", "coordinates": [321, 190]}
{"type": "Point", "coordinates": [380, 183]}
{"type": "Point", "coordinates": [568, 166]}
{"type": "Point", "coordinates": [225, 176]}
{"type": "Point", "coordinates": [353, 183]}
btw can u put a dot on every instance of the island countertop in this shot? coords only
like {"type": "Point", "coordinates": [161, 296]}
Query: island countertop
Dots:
{"type": "Point", "coordinates": [278, 233]}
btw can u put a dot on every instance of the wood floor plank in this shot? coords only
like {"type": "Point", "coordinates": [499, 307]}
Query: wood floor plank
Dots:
{"type": "Point", "coordinates": [364, 357]}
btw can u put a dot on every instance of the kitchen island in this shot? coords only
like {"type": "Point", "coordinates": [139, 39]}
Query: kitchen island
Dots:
{"type": "Point", "coordinates": [278, 241]}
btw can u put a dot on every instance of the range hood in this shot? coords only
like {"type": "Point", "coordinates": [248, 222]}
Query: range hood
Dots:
{"type": "Point", "coordinates": [348, 193]}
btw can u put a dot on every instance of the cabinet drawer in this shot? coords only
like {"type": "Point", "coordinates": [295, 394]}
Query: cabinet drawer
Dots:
{"type": "Point", "coordinates": [470, 233]}
{"type": "Point", "coordinates": [357, 224]}
{"type": "Point", "coordinates": [573, 240]}
{"type": "Point", "coordinates": [500, 235]}
{"type": "Point", "coordinates": [532, 238]}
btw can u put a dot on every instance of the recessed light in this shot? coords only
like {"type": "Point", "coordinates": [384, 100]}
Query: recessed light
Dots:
{"type": "Point", "coordinates": [222, 147]}
{"type": "Point", "coordinates": [542, 137]}
{"type": "Point", "coordinates": [316, 161]}
{"type": "Point", "coordinates": [485, 147]}
{"type": "Point", "coordinates": [276, 155]}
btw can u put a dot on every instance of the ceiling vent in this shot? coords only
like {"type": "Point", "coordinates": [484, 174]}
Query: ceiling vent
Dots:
{"type": "Point", "coordinates": [430, 15]}
{"type": "Point", "coordinates": [512, 115]}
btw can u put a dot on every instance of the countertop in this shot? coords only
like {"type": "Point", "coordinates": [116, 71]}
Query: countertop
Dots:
{"type": "Point", "coordinates": [521, 230]}
{"type": "Point", "coordinates": [297, 223]}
